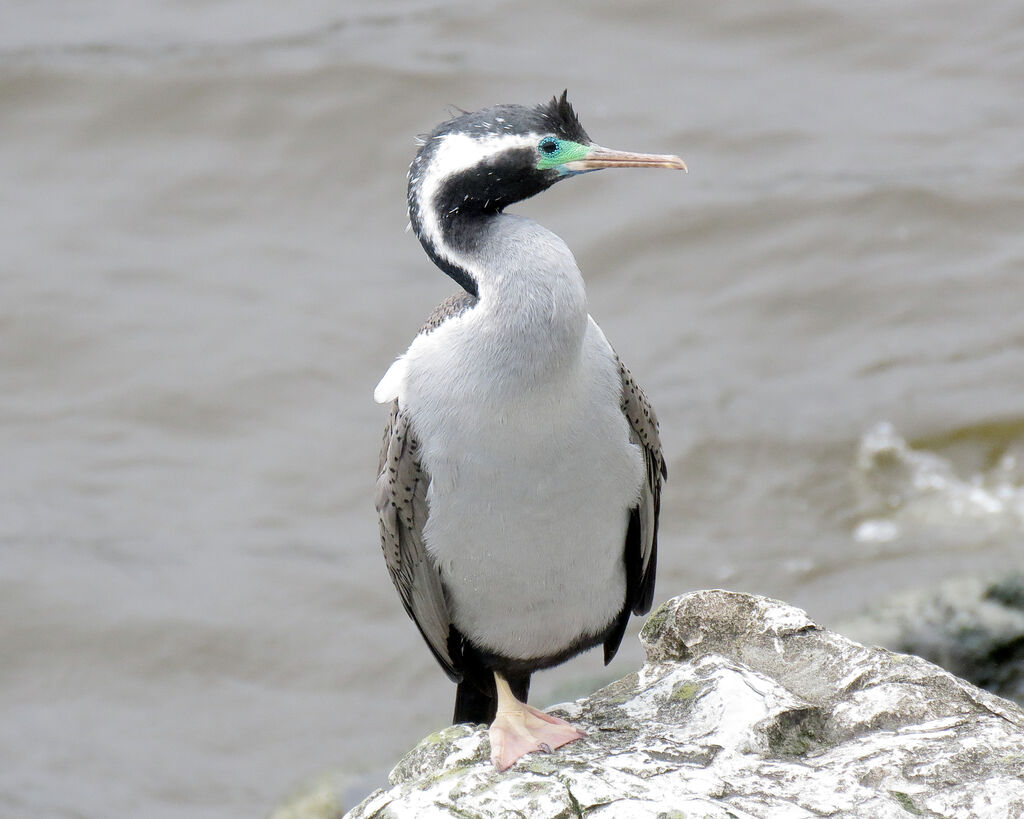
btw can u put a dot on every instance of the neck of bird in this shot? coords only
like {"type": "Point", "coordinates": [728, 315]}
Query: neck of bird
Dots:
{"type": "Point", "coordinates": [529, 288]}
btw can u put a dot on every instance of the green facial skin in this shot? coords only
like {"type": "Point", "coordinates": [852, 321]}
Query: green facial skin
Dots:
{"type": "Point", "coordinates": [564, 151]}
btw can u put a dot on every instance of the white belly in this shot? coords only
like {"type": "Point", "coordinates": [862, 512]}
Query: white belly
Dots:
{"type": "Point", "coordinates": [529, 501]}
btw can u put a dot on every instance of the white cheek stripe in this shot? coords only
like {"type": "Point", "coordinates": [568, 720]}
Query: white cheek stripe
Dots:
{"type": "Point", "coordinates": [456, 153]}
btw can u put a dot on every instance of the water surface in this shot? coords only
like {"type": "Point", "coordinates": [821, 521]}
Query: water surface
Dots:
{"type": "Point", "coordinates": [205, 271]}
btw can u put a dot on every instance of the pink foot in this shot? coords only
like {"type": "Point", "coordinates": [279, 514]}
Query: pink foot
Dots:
{"type": "Point", "coordinates": [524, 730]}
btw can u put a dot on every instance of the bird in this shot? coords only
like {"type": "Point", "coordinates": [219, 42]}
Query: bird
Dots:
{"type": "Point", "coordinates": [521, 470]}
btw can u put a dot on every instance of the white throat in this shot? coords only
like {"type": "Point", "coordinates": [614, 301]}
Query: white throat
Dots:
{"type": "Point", "coordinates": [532, 298]}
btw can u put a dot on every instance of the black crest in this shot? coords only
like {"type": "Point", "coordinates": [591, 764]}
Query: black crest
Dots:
{"type": "Point", "coordinates": [561, 119]}
{"type": "Point", "coordinates": [555, 117]}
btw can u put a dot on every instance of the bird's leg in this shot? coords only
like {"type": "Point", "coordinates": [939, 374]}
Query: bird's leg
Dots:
{"type": "Point", "coordinates": [519, 729]}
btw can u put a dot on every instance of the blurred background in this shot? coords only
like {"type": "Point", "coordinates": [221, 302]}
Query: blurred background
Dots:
{"type": "Point", "coordinates": [204, 272]}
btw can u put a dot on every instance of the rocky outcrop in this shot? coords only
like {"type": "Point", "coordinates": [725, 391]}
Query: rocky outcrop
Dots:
{"type": "Point", "coordinates": [745, 708]}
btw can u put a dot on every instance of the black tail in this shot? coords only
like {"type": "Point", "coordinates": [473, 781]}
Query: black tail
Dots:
{"type": "Point", "coordinates": [476, 699]}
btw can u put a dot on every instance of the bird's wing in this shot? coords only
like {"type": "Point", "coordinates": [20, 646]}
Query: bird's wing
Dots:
{"type": "Point", "coordinates": [640, 552]}
{"type": "Point", "coordinates": [642, 535]}
{"type": "Point", "coordinates": [401, 502]}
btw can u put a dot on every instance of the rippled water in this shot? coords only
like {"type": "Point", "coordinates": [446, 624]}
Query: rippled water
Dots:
{"type": "Point", "coordinates": [204, 272]}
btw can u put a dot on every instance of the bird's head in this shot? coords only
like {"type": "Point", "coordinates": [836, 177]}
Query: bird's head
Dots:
{"type": "Point", "coordinates": [478, 163]}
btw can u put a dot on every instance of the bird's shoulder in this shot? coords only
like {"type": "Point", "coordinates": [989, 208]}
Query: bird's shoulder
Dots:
{"type": "Point", "coordinates": [390, 385]}
{"type": "Point", "coordinates": [452, 307]}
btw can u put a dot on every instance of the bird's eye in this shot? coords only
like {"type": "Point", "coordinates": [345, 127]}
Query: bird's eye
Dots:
{"type": "Point", "coordinates": [549, 145]}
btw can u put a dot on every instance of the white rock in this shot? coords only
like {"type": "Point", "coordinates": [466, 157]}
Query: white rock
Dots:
{"type": "Point", "coordinates": [745, 708]}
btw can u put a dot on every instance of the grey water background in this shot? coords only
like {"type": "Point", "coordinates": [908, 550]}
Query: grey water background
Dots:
{"type": "Point", "coordinates": [204, 271]}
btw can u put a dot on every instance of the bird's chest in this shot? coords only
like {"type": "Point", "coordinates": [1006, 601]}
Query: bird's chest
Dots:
{"type": "Point", "coordinates": [516, 419]}
{"type": "Point", "coordinates": [517, 460]}
{"type": "Point", "coordinates": [517, 449]}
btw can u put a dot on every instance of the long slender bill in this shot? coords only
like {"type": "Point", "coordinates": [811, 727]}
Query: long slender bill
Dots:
{"type": "Point", "coordinates": [599, 157]}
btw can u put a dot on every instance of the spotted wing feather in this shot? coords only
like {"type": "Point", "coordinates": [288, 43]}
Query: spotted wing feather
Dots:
{"type": "Point", "coordinates": [401, 501]}
{"type": "Point", "coordinates": [643, 425]}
